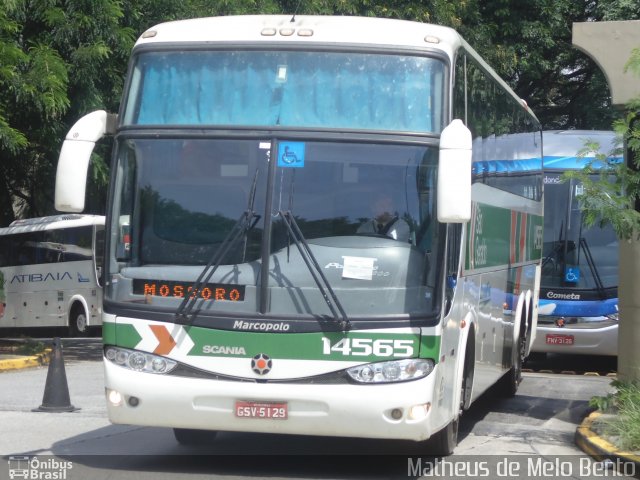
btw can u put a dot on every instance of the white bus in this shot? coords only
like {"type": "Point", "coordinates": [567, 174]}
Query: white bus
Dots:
{"type": "Point", "coordinates": [579, 283]}
{"type": "Point", "coordinates": [245, 294]}
{"type": "Point", "coordinates": [50, 270]}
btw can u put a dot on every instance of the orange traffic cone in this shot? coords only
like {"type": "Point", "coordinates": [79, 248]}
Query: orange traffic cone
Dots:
{"type": "Point", "coordinates": [56, 390]}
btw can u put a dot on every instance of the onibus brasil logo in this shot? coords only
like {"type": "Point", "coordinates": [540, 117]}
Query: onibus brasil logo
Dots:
{"type": "Point", "coordinates": [34, 468]}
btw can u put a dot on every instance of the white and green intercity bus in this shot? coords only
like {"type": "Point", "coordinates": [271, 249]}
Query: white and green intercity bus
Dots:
{"type": "Point", "coordinates": [308, 232]}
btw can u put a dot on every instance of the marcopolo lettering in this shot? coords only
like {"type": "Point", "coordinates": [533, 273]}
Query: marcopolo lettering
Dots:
{"type": "Point", "coordinates": [261, 326]}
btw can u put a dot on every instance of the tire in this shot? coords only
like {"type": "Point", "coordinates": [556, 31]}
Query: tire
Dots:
{"type": "Point", "coordinates": [78, 322]}
{"type": "Point", "coordinates": [444, 442]}
{"type": "Point", "coordinates": [508, 385]}
{"type": "Point", "coordinates": [537, 357]}
{"type": "Point", "coordinates": [192, 437]}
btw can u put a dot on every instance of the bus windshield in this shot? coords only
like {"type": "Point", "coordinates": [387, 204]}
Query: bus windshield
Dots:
{"type": "Point", "coordinates": [346, 90]}
{"type": "Point", "coordinates": [367, 212]}
{"type": "Point", "coordinates": [576, 259]}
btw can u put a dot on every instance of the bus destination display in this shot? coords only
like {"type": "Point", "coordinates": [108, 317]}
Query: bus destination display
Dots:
{"type": "Point", "coordinates": [210, 291]}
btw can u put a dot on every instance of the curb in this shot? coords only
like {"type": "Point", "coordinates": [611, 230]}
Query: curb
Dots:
{"type": "Point", "coordinates": [599, 448]}
{"type": "Point", "coordinates": [37, 360]}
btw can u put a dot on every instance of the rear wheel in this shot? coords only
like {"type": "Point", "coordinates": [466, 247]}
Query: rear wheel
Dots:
{"type": "Point", "coordinates": [508, 385]}
{"type": "Point", "coordinates": [78, 321]}
{"type": "Point", "coordinates": [193, 437]}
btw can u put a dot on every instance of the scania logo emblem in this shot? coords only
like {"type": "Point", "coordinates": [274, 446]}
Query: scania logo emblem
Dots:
{"type": "Point", "coordinates": [261, 364]}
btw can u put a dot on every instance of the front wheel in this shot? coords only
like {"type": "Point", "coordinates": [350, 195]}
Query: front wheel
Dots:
{"type": "Point", "coordinates": [193, 437]}
{"type": "Point", "coordinates": [444, 442]}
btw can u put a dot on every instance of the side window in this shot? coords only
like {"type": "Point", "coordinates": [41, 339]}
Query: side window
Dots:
{"type": "Point", "coordinates": [121, 231]}
{"type": "Point", "coordinates": [77, 244]}
{"type": "Point", "coordinates": [50, 247]}
{"type": "Point", "coordinates": [459, 89]}
{"type": "Point", "coordinates": [8, 250]}
{"type": "Point", "coordinates": [27, 249]}
{"type": "Point", "coordinates": [454, 237]}
{"type": "Point", "coordinates": [98, 252]}
{"type": "Point", "coordinates": [481, 107]}
{"type": "Point", "coordinates": [506, 139]}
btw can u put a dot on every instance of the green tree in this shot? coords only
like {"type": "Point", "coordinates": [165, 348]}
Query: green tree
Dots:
{"type": "Point", "coordinates": [529, 45]}
{"type": "Point", "coordinates": [618, 203]}
{"type": "Point", "coordinates": [32, 86]}
{"type": "Point", "coordinates": [611, 194]}
{"type": "Point", "coordinates": [58, 61]}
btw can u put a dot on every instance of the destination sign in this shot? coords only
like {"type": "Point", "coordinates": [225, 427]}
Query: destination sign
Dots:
{"type": "Point", "coordinates": [209, 291]}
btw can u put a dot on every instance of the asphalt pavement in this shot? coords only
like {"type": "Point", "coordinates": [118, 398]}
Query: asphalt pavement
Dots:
{"type": "Point", "coordinates": [588, 435]}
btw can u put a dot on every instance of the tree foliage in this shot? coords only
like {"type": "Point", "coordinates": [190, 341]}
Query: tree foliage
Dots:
{"type": "Point", "coordinates": [611, 192]}
{"type": "Point", "coordinates": [60, 59]}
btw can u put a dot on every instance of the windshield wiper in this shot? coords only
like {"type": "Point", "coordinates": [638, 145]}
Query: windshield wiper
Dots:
{"type": "Point", "coordinates": [243, 225]}
{"type": "Point", "coordinates": [593, 267]}
{"type": "Point", "coordinates": [555, 249]}
{"type": "Point", "coordinates": [311, 262]}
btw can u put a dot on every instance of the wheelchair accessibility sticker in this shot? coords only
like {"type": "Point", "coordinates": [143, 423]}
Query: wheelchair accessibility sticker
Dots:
{"type": "Point", "coordinates": [572, 274]}
{"type": "Point", "coordinates": [291, 154]}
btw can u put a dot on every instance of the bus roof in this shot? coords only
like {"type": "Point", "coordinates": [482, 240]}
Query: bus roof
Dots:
{"type": "Point", "coordinates": [561, 147]}
{"type": "Point", "coordinates": [51, 223]}
{"type": "Point", "coordinates": [366, 31]}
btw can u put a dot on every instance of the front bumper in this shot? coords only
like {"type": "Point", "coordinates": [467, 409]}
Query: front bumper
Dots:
{"type": "Point", "coordinates": [327, 410]}
{"type": "Point", "coordinates": [585, 336]}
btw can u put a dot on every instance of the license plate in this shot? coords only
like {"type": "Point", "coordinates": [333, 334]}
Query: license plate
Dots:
{"type": "Point", "coordinates": [559, 339]}
{"type": "Point", "coordinates": [267, 410]}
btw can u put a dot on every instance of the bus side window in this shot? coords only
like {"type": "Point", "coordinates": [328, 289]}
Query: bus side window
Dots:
{"type": "Point", "coordinates": [98, 253]}
{"type": "Point", "coordinates": [5, 252]}
{"type": "Point", "coordinates": [454, 235]}
{"type": "Point", "coordinates": [27, 248]}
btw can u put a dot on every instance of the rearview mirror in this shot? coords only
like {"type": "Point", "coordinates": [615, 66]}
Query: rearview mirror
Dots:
{"type": "Point", "coordinates": [73, 162]}
{"type": "Point", "coordinates": [454, 174]}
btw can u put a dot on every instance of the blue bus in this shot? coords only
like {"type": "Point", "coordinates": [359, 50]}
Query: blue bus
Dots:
{"type": "Point", "coordinates": [578, 308]}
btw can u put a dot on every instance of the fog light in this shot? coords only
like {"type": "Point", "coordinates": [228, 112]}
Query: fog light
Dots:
{"type": "Point", "coordinates": [396, 413]}
{"type": "Point", "coordinates": [134, 401]}
{"type": "Point", "coordinates": [419, 412]}
{"type": "Point", "coordinates": [114, 397]}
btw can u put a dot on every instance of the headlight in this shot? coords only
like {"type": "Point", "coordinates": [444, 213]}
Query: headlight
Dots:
{"type": "Point", "coordinates": [139, 361]}
{"type": "Point", "coordinates": [613, 316]}
{"type": "Point", "coordinates": [394, 371]}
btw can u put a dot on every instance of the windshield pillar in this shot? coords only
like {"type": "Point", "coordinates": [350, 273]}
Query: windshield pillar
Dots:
{"type": "Point", "coordinates": [268, 222]}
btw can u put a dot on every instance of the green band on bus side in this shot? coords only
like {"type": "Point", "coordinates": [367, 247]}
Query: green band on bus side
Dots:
{"type": "Point", "coordinates": [501, 237]}
{"type": "Point", "coordinates": [109, 333]}
{"type": "Point", "coordinates": [339, 346]}
{"type": "Point", "coordinates": [358, 345]}
{"type": "Point", "coordinates": [430, 347]}
{"type": "Point", "coordinates": [120, 334]}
